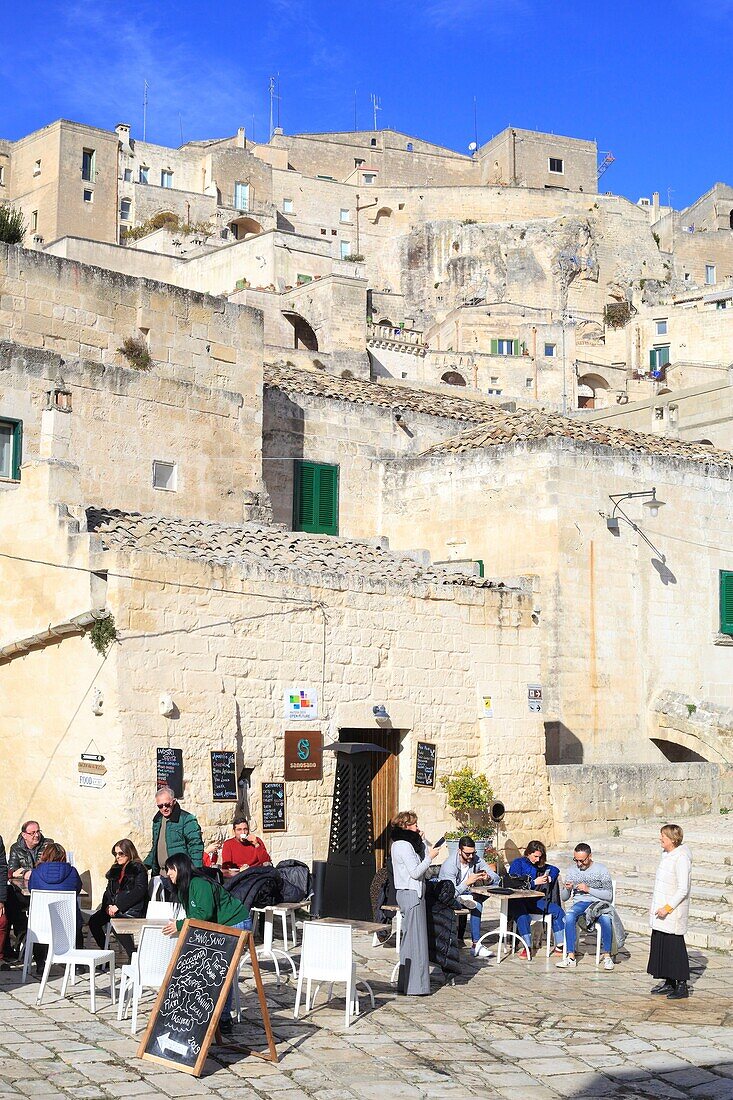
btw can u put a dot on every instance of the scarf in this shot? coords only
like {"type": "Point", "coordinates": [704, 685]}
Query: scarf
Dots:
{"type": "Point", "coordinates": [411, 837]}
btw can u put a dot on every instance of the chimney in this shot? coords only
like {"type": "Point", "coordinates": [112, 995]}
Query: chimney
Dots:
{"type": "Point", "coordinates": [241, 138]}
{"type": "Point", "coordinates": [122, 129]}
{"type": "Point", "coordinates": [655, 205]}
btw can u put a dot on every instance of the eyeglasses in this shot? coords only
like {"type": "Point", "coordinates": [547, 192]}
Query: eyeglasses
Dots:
{"type": "Point", "coordinates": [32, 832]}
{"type": "Point", "coordinates": [164, 805]}
{"type": "Point", "coordinates": [117, 855]}
{"type": "Point", "coordinates": [585, 859]}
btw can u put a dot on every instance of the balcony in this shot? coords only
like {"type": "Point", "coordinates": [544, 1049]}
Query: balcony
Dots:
{"type": "Point", "coordinates": [396, 338]}
{"type": "Point", "coordinates": [256, 209]}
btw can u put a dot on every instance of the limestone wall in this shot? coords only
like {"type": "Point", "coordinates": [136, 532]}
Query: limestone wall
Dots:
{"type": "Point", "coordinates": [619, 624]}
{"type": "Point", "coordinates": [701, 412]}
{"type": "Point", "coordinates": [227, 644]}
{"type": "Point", "coordinates": [621, 795]}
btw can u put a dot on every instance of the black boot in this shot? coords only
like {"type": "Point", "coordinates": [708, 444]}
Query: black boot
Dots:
{"type": "Point", "coordinates": [679, 992]}
{"type": "Point", "coordinates": [664, 987]}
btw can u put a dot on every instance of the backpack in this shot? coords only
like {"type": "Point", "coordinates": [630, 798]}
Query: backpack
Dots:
{"type": "Point", "coordinates": [296, 880]}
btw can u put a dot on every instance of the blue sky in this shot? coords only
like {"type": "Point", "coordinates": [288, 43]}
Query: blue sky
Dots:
{"type": "Point", "coordinates": [650, 82]}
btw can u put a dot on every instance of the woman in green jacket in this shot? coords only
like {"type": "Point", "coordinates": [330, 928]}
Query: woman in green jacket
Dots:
{"type": "Point", "coordinates": [203, 899]}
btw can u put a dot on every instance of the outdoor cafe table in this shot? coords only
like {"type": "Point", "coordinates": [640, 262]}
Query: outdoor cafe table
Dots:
{"type": "Point", "coordinates": [503, 931]}
{"type": "Point", "coordinates": [368, 926]}
{"type": "Point", "coordinates": [133, 926]}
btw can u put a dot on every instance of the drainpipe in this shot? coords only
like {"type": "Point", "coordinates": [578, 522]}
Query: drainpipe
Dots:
{"type": "Point", "coordinates": [514, 157]}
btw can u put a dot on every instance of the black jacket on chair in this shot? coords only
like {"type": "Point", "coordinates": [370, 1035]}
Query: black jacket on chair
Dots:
{"type": "Point", "coordinates": [440, 910]}
{"type": "Point", "coordinates": [129, 895]}
{"type": "Point", "coordinates": [257, 887]}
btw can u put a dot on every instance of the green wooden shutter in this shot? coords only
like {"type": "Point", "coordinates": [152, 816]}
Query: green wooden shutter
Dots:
{"type": "Point", "coordinates": [663, 357]}
{"type": "Point", "coordinates": [494, 347]}
{"type": "Point", "coordinates": [515, 347]}
{"type": "Point", "coordinates": [653, 358]}
{"type": "Point", "coordinates": [17, 448]}
{"type": "Point", "coordinates": [328, 500]}
{"type": "Point", "coordinates": [726, 602]}
{"type": "Point", "coordinates": [315, 498]}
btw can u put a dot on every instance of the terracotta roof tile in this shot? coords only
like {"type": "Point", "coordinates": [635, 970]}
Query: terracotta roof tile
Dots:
{"type": "Point", "coordinates": [269, 548]}
{"type": "Point", "coordinates": [384, 394]}
{"type": "Point", "coordinates": [502, 426]}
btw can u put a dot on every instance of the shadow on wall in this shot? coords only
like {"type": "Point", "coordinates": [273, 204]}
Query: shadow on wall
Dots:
{"type": "Point", "coordinates": [677, 754]}
{"type": "Point", "coordinates": [283, 429]}
{"type": "Point", "coordinates": [561, 745]}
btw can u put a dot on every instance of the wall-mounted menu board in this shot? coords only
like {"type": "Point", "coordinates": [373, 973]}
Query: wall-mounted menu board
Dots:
{"type": "Point", "coordinates": [185, 1016]}
{"type": "Point", "coordinates": [273, 808]}
{"type": "Point", "coordinates": [223, 776]}
{"type": "Point", "coordinates": [170, 770]}
{"type": "Point", "coordinates": [425, 765]}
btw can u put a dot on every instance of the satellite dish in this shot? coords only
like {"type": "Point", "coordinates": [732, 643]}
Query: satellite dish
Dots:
{"type": "Point", "coordinates": [473, 147]}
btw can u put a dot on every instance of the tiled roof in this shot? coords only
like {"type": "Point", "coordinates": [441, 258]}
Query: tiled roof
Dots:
{"type": "Point", "coordinates": [269, 548]}
{"type": "Point", "coordinates": [383, 394]}
{"type": "Point", "coordinates": [502, 426]}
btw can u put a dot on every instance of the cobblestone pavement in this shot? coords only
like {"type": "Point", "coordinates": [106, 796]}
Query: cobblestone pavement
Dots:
{"type": "Point", "coordinates": [525, 1031]}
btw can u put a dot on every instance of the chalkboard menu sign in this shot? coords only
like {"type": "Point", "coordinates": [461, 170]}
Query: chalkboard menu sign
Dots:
{"type": "Point", "coordinates": [185, 1017]}
{"type": "Point", "coordinates": [273, 807]}
{"type": "Point", "coordinates": [170, 770]}
{"type": "Point", "coordinates": [223, 776]}
{"type": "Point", "coordinates": [425, 765]}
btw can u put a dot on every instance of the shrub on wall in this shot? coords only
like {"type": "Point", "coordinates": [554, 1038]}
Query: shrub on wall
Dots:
{"type": "Point", "coordinates": [135, 351]}
{"type": "Point", "coordinates": [12, 224]}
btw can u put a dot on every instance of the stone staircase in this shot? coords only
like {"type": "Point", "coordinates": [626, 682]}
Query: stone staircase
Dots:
{"type": "Point", "coordinates": [632, 859]}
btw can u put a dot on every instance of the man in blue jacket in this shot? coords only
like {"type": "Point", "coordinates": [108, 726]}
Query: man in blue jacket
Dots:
{"type": "Point", "coordinates": [465, 869]}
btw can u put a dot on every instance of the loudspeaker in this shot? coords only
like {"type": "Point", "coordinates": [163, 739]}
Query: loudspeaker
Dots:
{"type": "Point", "coordinates": [497, 811]}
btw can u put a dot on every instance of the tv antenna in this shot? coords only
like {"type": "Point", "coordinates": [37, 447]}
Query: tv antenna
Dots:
{"type": "Point", "coordinates": [145, 109]}
{"type": "Point", "coordinates": [274, 98]}
{"type": "Point", "coordinates": [376, 106]}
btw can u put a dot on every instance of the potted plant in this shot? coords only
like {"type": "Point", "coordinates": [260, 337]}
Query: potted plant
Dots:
{"type": "Point", "coordinates": [469, 794]}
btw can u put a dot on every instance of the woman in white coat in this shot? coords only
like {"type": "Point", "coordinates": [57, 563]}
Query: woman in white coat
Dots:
{"type": "Point", "coordinates": [411, 858]}
{"type": "Point", "coordinates": [668, 916]}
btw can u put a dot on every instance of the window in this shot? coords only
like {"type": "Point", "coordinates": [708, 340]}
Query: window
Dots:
{"type": "Point", "coordinates": [550, 351]}
{"type": "Point", "coordinates": [88, 195]}
{"type": "Point", "coordinates": [494, 379]}
{"type": "Point", "coordinates": [166, 178]}
{"type": "Point", "coordinates": [37, 168]}
{"type": "Point", "coordinates": [722, 304]}
{"type": "Point", "coordinates": [369, 177]}
{"type": "Point", "coordinates": [88, 165]}
{"type": "Point", "coordinates": [125, 207]}
{"type": "Point", "coordinates": [358, 162]}
{"type": "Point", "coordinates": [528, 383]}
{"type": "Point", "coordinates": [709, 273]}
{"type": "Point", "coordinates": [11, 441]}
{"type": "Point", "coordinates": [344, 249]}
{"type": "Point", "coordinates": [316, 498]}
{"type": "Point", "coordinates": [505, 347]}
{"type": "Point", "coordinates": [127, 175]}
{"type": "Point", "coordinates": [726, 602]}
{"type": "Point", "coordinates": [2, 175]}
{"type": "Point", "coordinates": [659, 357]}
{"type": "Point", "coordinates": [494, 391]}
{"type": "Point", "coordinates": [165, 475]}
{"type": "Point", "coordinates": [555, 164]}
{"type": "Point", "coordinates": [287, 206]}
{"type": "Point", "coordinates": [34, 220]}
{"type": "Point", "coordinates": [661, 326]}
{"type": "Point", "coordinates": [373, 142]}
{"type": "Point", "coordinates": [344, 215]}
{"type": "Point", "coordinates": [409, 147]}
{"type": "Point", "coordinates": [144, 174]}
{"type": "Point", "coordinates": [241, 196]}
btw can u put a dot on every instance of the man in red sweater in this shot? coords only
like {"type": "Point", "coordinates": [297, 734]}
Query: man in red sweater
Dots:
{"type": "Point", "coordinates": [242, 850]}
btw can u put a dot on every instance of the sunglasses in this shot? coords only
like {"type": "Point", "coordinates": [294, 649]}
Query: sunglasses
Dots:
{"type": "Point", "coordinates": [118, 854]}
{"type": "Point", "coordinates": [164, 805]}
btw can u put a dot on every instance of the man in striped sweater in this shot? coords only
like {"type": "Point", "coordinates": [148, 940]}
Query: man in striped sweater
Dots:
{"type": "Point", "coordinates": [582, 884]}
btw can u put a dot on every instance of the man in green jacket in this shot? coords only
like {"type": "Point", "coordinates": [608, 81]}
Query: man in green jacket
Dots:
{"type": "Point", "coordinates": [174, 831]}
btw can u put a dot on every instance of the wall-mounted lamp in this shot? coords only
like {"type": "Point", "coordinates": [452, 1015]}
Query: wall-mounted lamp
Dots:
{"type": "Point", "coordinates": [649, 500]}
{"type": "Point", "coordinates": [380, 711]}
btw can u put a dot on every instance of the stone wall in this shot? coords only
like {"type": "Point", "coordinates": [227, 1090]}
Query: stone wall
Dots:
{"type": "Point", "coordinates": [521, 157]}
{"type": "Point", "coordinates": [621, 795]}
{"type": "Point", "coordinates": [227, 643]}
{"type": "Point", "coordinates": [619, 624]}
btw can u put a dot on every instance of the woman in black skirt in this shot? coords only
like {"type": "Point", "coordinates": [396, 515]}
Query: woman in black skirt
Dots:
{"type": "Point", "coordinates": [668, 916]}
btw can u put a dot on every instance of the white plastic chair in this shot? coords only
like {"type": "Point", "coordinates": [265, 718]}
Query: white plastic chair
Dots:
{"type": "Point", "coordinates": [326, 956]}
{"type": "Point", "coordinates": [39, 921]}
{"type": "Point", "coordinates": [62, 950]}
{"type": "Point", "coordinates": [147, 969]}
{"type": "Point", "coordinates": [396, 931]}
{"type": "Point", "coordinates": [157, 910]}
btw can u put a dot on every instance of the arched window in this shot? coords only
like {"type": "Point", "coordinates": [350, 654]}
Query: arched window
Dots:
{"type": "Point", "coordinates": [453, 378]}
{"type": "Point", "coordinates": [592, 392]}
{"type": "Point", "coordinates": [303, 334]}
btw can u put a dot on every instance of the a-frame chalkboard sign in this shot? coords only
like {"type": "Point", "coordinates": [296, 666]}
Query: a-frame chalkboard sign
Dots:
{"type": "Point", "coordinates": [185, 1018]}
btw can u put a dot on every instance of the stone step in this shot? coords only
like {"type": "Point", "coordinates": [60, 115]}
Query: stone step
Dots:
{"type": "Point", "coordinates": [711, 912]}
{"type": "Point", "coordinates": [697, 935]}
{"type": "Point", "coordinates": [622, 864]}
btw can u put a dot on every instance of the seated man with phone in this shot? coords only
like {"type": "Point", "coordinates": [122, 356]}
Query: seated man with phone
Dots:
{"type": "Point", "coordinates": [465, 870]}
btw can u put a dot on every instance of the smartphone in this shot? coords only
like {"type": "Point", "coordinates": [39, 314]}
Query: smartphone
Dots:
{"type": "Point", "coordinates": [439, 843]}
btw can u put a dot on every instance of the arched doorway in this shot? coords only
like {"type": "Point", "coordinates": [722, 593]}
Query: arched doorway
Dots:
{"type": "Point", "coordinates": [453, 378]}
{"type": "Point", "coordinates": [244, 227]}
{"type": "Point", "coordinates": [303, 334]}
{"type": "Point", "coordinates": [592, 392]}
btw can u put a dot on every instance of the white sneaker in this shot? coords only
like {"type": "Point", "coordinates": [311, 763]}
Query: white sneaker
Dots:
{"type": "Point", "coordinates": [481, 952]}
{"type": "Point", "coordinates": [567, 963]}
{"type": "Point", "coordinates": [608, 963]}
